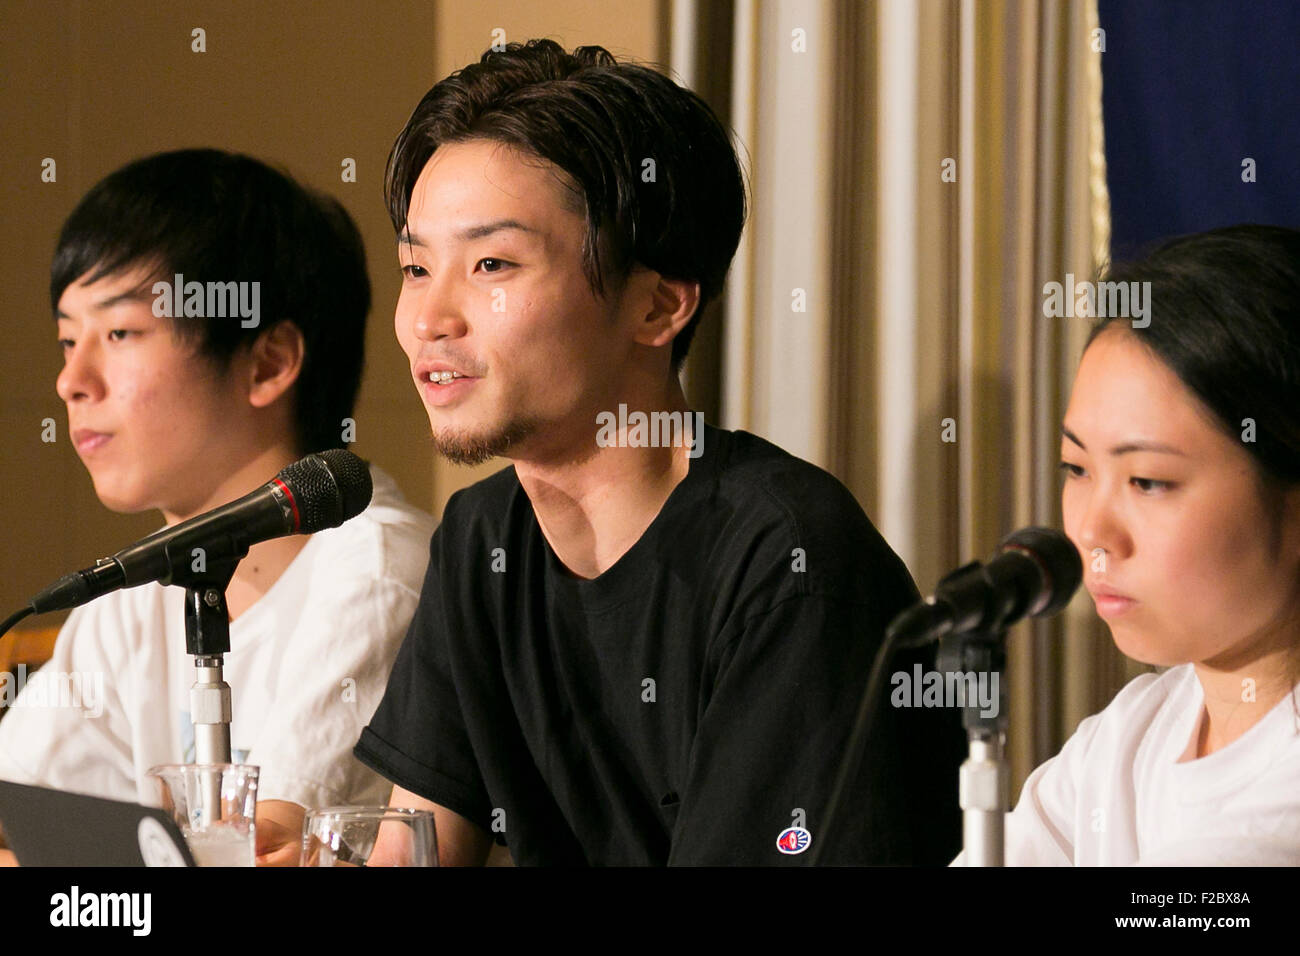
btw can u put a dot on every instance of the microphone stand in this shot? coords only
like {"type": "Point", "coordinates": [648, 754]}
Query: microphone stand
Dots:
{"type": "Point", "coordinates": [983, 780]}
{"type": "Point", "coordinates": [207, 638]}
{"type": "Point", "coordinates": [969, 614]}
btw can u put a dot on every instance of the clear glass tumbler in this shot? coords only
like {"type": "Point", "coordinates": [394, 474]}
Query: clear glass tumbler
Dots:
{"type": "Point", "coordinates": [213, 805]}
{"type": "Point", "coordinates": [369, 836]}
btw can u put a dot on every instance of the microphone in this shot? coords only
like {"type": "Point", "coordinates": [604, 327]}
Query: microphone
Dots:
{"type": "Point", "coordinates": [1035, 571]}
{"type": "Point", "coordinates": [320, 491]}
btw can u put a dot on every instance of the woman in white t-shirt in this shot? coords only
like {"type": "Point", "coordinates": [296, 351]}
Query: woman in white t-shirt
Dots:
{"type": "Point", "coordinates": [1181, 454]}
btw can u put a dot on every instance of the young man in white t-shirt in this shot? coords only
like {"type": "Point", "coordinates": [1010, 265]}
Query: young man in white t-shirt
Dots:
{"type": "Point", "coordinates": [180, 412]}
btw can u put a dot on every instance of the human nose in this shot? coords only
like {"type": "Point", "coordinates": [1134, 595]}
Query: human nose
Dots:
{"type": "Point", "coordinates": [81, 378]}
{"type": "Point", "coordinates": [1094, 524]}
{"type": "Point", "coordinates": [439, 312]}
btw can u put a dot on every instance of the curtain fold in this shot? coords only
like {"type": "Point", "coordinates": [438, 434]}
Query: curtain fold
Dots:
{"type": "Point", "coordinates": [957, 148]}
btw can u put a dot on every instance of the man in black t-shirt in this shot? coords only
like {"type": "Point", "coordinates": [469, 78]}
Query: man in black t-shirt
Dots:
{"type": "Point", "coordinates": [645, 642]}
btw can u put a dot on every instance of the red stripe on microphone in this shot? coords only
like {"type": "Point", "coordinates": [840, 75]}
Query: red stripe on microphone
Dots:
{"type": "Point", "coordinates": [297, 520]}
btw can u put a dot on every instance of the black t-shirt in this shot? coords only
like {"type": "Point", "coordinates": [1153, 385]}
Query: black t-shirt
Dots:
{"type": "Point", "coordinates": [686, 706]}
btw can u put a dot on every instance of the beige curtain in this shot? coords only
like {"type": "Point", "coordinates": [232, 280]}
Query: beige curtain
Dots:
{"type": "Point", "coordinates": [919, 169]}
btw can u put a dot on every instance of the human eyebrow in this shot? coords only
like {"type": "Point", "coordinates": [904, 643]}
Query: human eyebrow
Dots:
{"type": "Point", "coordinates": [482, 230]}
{"type": "Point", "coordinates": [470, 233]}
{"type": "Point", "coordinates": [1130, 446]}
{"type": "Point", "coordinates": [134, 295]}
{"type": "Point", "coordinates": [1155, 446]}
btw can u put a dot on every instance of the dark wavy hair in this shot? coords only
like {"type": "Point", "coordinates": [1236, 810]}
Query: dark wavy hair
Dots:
{"type": "Point", "coordinates": [217, 216]}
{"type": "Point", "coordinates": [598, 120]}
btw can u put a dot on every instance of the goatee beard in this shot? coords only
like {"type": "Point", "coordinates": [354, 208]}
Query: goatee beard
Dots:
{"type": "Point", "coordinates": [469, 448]}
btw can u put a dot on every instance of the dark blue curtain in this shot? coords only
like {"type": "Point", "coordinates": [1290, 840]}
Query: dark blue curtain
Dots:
{"type": "Point", "coordinates": [1192, 88]}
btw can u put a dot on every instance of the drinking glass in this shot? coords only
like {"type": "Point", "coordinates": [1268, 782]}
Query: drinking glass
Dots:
{"type": "Point", "coordinates": [348, 836]}
{"type": "Point", "coordinates": [213, 804]}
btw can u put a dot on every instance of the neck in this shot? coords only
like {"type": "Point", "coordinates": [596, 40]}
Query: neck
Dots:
{"type": "Point", "coordinates": [266, 560]}
{"type": "Point", "coordinates": [593, 507]}
{"type": "Point", "coordinates": [1239, 695]}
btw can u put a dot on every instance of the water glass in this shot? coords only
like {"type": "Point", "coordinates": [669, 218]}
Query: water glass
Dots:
{"type": "Point", "coordinates": [369, 836]}
{"type": "Point", "coordinates": [213, 805]}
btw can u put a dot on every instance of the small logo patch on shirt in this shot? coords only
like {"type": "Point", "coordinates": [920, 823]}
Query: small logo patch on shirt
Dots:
{"type": "Point", "coordinates": [793, 840]}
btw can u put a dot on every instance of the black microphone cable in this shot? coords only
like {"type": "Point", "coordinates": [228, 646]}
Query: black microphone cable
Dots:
{"type": "Point", "coordinates": [973, 597]}
{"type": "Point", "coordinates": [13, 619]}
{"type": "Point", "coordinates": [903, 626]}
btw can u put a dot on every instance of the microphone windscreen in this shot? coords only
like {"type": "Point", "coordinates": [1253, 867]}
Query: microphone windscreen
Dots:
{"type": "Point", "coordinates": [1057, 558]}
{"type": "Point", "coordinates": [353, 477]}
{"type": "Point", "coordinates": [329, 487]}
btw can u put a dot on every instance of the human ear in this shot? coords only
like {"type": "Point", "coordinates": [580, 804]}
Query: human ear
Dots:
{"type": "Point", "coordinates": [275, 362]}
{"type": "Point", "coordinates": [672, 305]}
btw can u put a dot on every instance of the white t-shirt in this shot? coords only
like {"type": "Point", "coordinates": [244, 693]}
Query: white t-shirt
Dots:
{"type": "Point", "coordinates": [307, 666]}
{"type": "Point", "coordinates": [1117, 793]}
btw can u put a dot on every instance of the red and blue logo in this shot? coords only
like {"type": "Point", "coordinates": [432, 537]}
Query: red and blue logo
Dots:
{"type": "Point", "coordinates": [793, 840]}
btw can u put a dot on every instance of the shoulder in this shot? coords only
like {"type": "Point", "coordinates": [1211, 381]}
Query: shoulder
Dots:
{"type": "Point", "coordinates": [1061, 797]}
{"type": "Point", "coordinates": [387, 542]}
{"type": "Point", "coordinates": [1144, 697]}
{"type": "Point", "coordinates": [121, 627]}
{"type": "Point", "coordinates": [1113, 735]}
{"type": "Point", "coordinates": [789, 513]}
{"type": "Point", "coordinates": [124, 611]}
{"type": "Point", "coordinates": [750, 462]}
{"type": "Point", "coordinates": [1140, 708]}
{"type": "Point", "coordinates": [774, 487]}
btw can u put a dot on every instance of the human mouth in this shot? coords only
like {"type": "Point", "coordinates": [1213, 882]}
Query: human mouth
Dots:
{"type": "Point", "coordinates": [87, 441]}
{"type": "Point", "coordinates": [445, 378]}
{"type": "Point", "coordinates": [441, 384]}
{"type": "Point", "coordinates": [1111, 603]}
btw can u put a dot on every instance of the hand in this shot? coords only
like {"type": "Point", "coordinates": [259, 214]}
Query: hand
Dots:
{"type": "Point", "coordinates": [279, 832]}
{"type": "Point", "coordinates": [7, 858]}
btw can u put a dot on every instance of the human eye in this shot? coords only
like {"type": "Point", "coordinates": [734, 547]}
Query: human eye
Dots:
{"type": "Point", "coordinates": [119, 335]}
{"type": "Point", "coordinates": [1071, 470]}
{"type": "Point", "coordinates": [499, 263]}
{"type": "Point", "coordinates": [412, 271]}
{"type": "Point", "coordinates": [1149, 486]}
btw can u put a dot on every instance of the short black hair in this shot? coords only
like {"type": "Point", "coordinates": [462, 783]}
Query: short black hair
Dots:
{"type": "Point", "coordinates": [216, 216]}
{"type": "Point", "coordinates": [599, 121]}
{"type": "Point", "coordinates": [1225, 318]}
